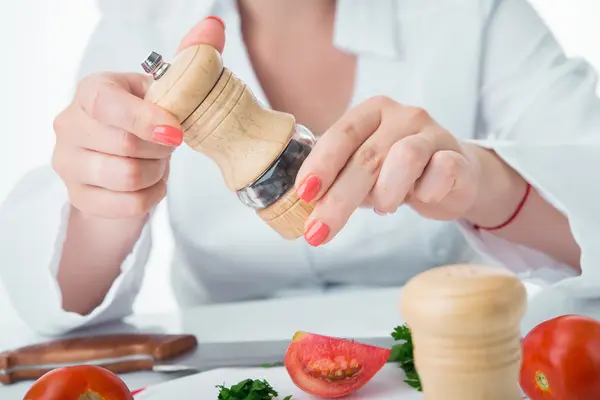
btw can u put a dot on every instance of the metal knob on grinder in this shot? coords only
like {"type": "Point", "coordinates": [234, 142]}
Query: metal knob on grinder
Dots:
{"type": "Point", "coordinates": [259, 151]}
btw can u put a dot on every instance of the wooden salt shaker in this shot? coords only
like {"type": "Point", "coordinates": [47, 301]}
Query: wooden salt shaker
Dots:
{"type": "Point", "coordinates": [259, 151]}
{"type": "Point", "coordinates": [465, 324]}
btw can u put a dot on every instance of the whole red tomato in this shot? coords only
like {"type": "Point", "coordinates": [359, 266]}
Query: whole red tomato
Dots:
{"type": "Point", "coordinates": [82, 382]}
{"type": "Point", "coordinates": [561, 360]}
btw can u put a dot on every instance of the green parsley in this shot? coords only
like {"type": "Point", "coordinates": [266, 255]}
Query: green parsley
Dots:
{"type": "Point", "coordinates": [280, 364]}
{"type": "Point", "coordinates": [249, 389]}
{"type": "Point", "coordinates": [403, 354]}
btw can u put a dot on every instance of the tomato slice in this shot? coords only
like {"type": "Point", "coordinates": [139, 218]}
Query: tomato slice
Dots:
{"type": "Point", "coordinates": [330, 367]}
{"type": "Point", "coordinates": [561, 359]}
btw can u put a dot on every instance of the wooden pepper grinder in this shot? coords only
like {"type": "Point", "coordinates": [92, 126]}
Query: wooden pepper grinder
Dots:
{"type": "Point", "coordinates": [465, 324]}
{"type": "Point", "coordinates": [259, 151]}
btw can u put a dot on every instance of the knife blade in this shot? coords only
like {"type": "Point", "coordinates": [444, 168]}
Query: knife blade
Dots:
{"type": "Point", "coordinates": [145, 352]}
{"type": "Point", "coordinates": [264, 353]}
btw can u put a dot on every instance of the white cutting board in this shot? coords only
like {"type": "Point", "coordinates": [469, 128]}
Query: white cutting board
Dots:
{"type": "Point", "coordinates": [388, 384]}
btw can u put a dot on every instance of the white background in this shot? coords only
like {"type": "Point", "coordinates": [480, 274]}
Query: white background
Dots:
{"type": "Point", "coordinates": [43, 40]}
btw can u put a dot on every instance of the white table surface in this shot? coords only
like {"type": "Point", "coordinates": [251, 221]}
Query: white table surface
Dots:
{"type": "Point", "coordinates": [364, 313]}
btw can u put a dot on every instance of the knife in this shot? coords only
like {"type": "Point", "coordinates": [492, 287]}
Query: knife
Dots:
{"type": "Point", "coordinates": [124, 353]}
{"type": "Point", "coordinates": [118, 353]}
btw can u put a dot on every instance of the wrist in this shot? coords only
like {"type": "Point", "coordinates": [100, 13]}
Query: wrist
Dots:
{"type": "Point", "coordinates": [501, 191]}
{"type": "Point", "coordinates": [102, 241]}
{"type": "Point", "coordinates": [96, 222]}
{"type": "Point", "coordinates": [92, 256]}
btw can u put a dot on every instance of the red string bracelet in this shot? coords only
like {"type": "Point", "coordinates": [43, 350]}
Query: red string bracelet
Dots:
{"type": "Point", "coordinates": [513, 216]}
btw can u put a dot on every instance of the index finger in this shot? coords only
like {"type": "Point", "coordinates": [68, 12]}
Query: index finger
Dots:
{"type": "Point", "coordinates": [106, 100]}
{"type": "Point", "coordinates": [335, 148]}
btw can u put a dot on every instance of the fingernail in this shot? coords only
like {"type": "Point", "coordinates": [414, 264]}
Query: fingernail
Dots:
{"type": "Point", "coordinates": [218, 19]}
{"type": "Point", "coordinates": [316, 233]}
{"type": "Point", "coordinates": [168, 135]}
{"type": "Point", "coordinates": [309, 189]}
{"type": "Point", "coordinates": [379, 212]}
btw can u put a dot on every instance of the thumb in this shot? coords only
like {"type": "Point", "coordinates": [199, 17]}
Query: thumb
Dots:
{"type": "Point", "coordinates": [210, 31]}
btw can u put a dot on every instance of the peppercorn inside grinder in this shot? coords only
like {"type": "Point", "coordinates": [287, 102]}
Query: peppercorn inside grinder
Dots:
{"type": "Point", "coordinates": [258, 151]}
{"type": "Point", "coordinates": [465, 326]}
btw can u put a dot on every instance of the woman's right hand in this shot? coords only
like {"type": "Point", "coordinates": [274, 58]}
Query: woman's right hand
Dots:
{"type": "Point", "coordinates": [112, 147]}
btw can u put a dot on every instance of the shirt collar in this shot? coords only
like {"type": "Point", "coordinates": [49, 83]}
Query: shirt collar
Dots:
{"type": "Point", "coordinates": [361, 26]}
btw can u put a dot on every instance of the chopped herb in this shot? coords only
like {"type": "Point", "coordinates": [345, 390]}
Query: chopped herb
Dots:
{"type": "Point", "coordinates": [272, 365]}
{"type": "Point", "coordinates": [249, 389]}
{"type": "Point", "coordinates": [403, 354]}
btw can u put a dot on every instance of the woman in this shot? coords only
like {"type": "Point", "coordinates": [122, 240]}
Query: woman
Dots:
{"type": "Point", "coordinates": [457, 126]}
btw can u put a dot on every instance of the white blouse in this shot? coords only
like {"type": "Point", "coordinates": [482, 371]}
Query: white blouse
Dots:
{"type": "Point", "coordinates": [487, 70]}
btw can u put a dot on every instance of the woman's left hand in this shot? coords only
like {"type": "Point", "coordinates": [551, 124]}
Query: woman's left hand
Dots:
{"type": "Point", "coordinates": [382, 154]}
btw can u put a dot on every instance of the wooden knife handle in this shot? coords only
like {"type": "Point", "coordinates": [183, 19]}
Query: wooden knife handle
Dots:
{"type": "Point", "coordinates": [118, 353]}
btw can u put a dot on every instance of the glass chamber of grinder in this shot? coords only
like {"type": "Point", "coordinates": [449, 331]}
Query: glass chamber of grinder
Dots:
{"type": "Point", "coordinates": [281, 175]}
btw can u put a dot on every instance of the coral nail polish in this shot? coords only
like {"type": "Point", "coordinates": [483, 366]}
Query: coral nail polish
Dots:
{"type": "Point", "coordinates": [168, 135]}
{"type": "Point", "coordinates": [309, 189]}
{"type": "Point", "coordinates": [218, 19]}
{"type": "Point", "coordinates": [316, 233]}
